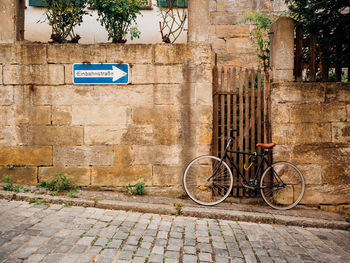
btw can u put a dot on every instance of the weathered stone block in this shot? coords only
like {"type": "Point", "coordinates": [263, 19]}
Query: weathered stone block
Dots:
{"type": "Point", "coordinates": [302, 133]}
{"type": "Point", "coordinates": [336, 174]}
{"type": "Point", "coordinates": [0, 74]}
{"type": "Point", "coordinates": [166, 175]}
{"type": "Point", "coordinates": [312, 173]}
{"type": "Point", "coordinates": [282, 75]}
{"type": "Point", "coordinates": [33, 74]}
{"type": "Point", "coordinates": [326, 194]}
{"type": "Point", "coordinates": [61, 115]}
{"type": "Point", "coordinates": [76, 53]}
{"type": "Point", "coordinates": [7, 115]}
{"type": "Point", "coordinates": [156, 154]}
{"type": "Point", "coordinates": [236, 59]}
{"type": "Point", "coordinates": [68, 74]}
{"type": "Point", "coordinates": [121, 176]}
{"type": "Point", "coordinates": [165, 94]}
{"type": "Point", "coordinates": [297, 93]}
{"type": "Point", "coordinates": [222, 18]}
{"type": "Point", "coordinates": [232, 31]}
{"type": "Point", "coordinates": [6, 93]}
{"type": "Point", "coordinates": [166, 134]}
{"type": "Point", "coordinates": [170, 54]}
{"type": "Point", "coordinates": [83, 155]}
{"type": "Point", "coordinates": [119, 135]}
{"type": "Point", "coordinates": [55, 135]}
{"type": "Point", "coordinates": [26, 155]}
{"type": "Point", "coordinates": [7, 54]}
{"type": "Point", "coordinates": [219, 44]}
{"type": "Point", "coordinates": [197, 74]}
{"type": "Point", "coordinates": [281, 113]}
{"type": "Point", "coordinates": [317, 113]}
{"type": "Point", "coordinates": [20, 175]}
{"type": "Point", "coordinates": [148, 74]}
{"type": "Point", "coordinates": [282, 153]}
{"type": "Point", "coordinates": [150, 115]}
{"type": "Point", "coordinates": [203, 94]}
{"type": "Point", "coordinates": [321, 153]}
{"type": "Point", "coordinates": [205, 134]}
{"type": "Point", "coordinates": [337, 92]}
{"type": "Point", "coordinates": [123, 155]}
{"type": "Point", "coordinates": [91, 95]}
{"type": "Point", "coordinates": [341, 132]}
{"type": "Point", "coordinates": [30, 53]}
{"type": "Point", "coordinates": [100, 115]}
{"type": "Point", "coordinates": [134, 53]}
{"type": "Point", "coordinates": [13, 135]}
{"type": "Point", "coordinates": [239, 45]}
{"type": "Point", "coordinates": [80, 176]}
{"type": "Point", "coordinates": [11, 115]}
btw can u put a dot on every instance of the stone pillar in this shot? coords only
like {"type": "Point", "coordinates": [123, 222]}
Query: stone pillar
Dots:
{"type": "Point", "coordinates": [12, 20]}
{"type": "Point", "coordinates": [198, 21]}
{"type": "Point", "coordinates": [282, 49]}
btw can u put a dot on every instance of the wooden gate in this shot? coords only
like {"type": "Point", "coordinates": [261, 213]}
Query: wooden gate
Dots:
{"type": "Point", "coordinates": [238, 104]}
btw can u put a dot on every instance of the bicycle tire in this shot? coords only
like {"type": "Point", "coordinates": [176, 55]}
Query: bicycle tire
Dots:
{"type": "Point", "coordinates": [207, 193]}
{"type": "Point", "coordinates": [288, 196]}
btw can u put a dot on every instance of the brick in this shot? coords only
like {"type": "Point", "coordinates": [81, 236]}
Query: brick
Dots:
{"type": "Point", "coordinates": [20, 175]}
{"type": "Point", "coordinates": [136, 53]}
{"type": "Point", "coordinates": [55, 135]}
{"type": "Point", "coordinates": [164, 175]}
{"type": "Point", "coordinates": [90, 95]}
{"type": "Point", "coordinates": [61, 115]}
{"type": "Point", "coordinates": [80, 176]}
{"type": "Point", "coordinates": [301, 133]}
{"type": "Point", "coordinates": [33, 74]}
{"type": "Point", "coordinates": [232, 31]}
{"type": "Point", "coordinates": [6, 93]}
{"type": "Point", "coordinates": [100, 115]}
{"type": "Point", "coordinates": [148, 74]}
{"type": "Point", "coordinates": [121, 176]}
{"type": "Point", "coordinates": [157, 154]}
{"type": "Point", "coordinates": [82, 155]}
{"type": "Point", "coordinates": [76, 53]}
{"type": "Point", "coordinates": [35, 156]}
{"type": "Point", "coordinates": [341, 132]}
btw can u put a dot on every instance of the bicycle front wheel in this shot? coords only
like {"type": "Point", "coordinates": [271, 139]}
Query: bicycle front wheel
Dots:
{"type": "Point", "coordinates": [282, 186]}
{"type": "Point", "coordinates": [205, 192]}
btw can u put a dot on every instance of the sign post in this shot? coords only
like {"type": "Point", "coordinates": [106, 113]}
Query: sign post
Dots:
{"type": "Point", "coordinates": [107, 73]}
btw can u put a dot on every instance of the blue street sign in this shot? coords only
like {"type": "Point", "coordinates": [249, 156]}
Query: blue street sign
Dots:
{"type": "Point", "coordinates": [101, 73]}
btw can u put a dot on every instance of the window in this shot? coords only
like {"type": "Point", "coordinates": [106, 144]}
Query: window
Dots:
{"type": "Point", "coordinates": [176, 3]}
{"type": "Point", "coordinates": [38, 3]}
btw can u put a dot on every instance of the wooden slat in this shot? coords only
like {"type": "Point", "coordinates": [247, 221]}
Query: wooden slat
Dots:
{"type": "Point", "coordinates": [259, 110]}
{"type": "Point", "coordinates": [338, 50]}
{"type": "Point", "coordinates": [246, 118]}
{"type": "Point", "coordinates": [241, 116]}
{"type": "Point", "coordinates": [234, 124]}
{"type": "Point", "coordinates": [299, 54]}
{"type": "Point", "coordinates": [252, 119]}
{"type": "Point", "coordinates": [216, 111]}
{"type": "Point", "coordinates": [222, 102]}
{"type": "Point", "coordinates": [312, 62]}
{"type": "Point", "coordinates": [324, 58]}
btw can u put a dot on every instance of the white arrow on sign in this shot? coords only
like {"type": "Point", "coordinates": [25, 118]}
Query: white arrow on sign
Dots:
{"type": "Point", "coordinates": [115, 73]}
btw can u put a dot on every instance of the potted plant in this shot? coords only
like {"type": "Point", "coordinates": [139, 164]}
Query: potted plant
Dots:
{"type": "Point", "coordinates": [117, 16]}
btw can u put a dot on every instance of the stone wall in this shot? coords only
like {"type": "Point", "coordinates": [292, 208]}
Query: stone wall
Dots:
{"type": "Point", "coordinates": [104, 135]}
{"type": "Point", "coordinates": [311, 125]}
{"type": "Point", "coordinates": [231, 40]}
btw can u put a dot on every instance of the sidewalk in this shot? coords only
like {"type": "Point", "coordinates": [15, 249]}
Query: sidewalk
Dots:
{"type": "Point", "coordinates": [298, 216]}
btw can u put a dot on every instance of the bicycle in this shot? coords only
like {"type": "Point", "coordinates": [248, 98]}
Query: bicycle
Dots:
{"type": "Point", "coordinates": [208, 179]}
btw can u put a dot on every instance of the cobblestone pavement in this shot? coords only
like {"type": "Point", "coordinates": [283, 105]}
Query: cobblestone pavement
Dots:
{"type": "Point", "coordinates": [40, 233]}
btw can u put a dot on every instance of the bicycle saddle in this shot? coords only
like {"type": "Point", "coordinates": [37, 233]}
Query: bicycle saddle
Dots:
{"type": "Point", "coordinates": [266, 145]}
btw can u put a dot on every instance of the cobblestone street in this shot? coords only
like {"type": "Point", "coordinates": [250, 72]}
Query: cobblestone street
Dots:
{"type": "Point", "coordinates": [40, 233]}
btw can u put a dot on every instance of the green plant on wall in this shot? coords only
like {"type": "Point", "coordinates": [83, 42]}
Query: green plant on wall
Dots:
{"type": "Point", "coordinates": [259, 36]}
{"type": "Point", "coordinates": [63, 16]}
{"type": "Point", "coordinates": [117, 17]}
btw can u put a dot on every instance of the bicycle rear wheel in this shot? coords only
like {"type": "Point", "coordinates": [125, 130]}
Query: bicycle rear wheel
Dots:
{"type": "Point", "coordinates": [282, 186]}
{"type": "Point", "coordinates": [204, 192]}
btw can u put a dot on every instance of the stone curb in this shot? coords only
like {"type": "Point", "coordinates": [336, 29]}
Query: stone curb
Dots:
{"type": "Point", "coordinates": [201, 212]}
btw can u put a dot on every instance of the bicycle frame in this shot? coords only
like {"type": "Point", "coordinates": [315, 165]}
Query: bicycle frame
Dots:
{"type": "Point", "coordinates": [254, 184]}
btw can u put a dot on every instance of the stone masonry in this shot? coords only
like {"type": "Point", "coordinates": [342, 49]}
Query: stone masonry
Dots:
{"type": "Point", "coordinates": [104, 135]}
{"type": "Point", "coordinates": [229, 39]}
{"type": "Point", "coordinates": [311, 125]}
